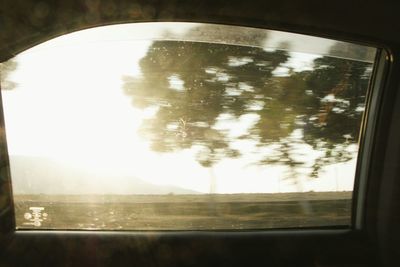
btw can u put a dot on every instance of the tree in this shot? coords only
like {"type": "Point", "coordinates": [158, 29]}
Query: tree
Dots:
{"type": "Point", "coordinates": [325, 104]}
{"type": "Point", "coordinates": [195, 84]}
{"type": "Point", "coordinates": [216, 79]}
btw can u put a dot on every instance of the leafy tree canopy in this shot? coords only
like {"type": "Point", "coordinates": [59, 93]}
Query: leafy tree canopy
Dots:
{"type": "Point", "coordinates": [193, 85]}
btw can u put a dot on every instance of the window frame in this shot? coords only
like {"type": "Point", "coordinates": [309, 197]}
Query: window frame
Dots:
{"type": "Point", "coordinates": [367, 137]}
{"type": "Point", "coordinates": [360, 247]}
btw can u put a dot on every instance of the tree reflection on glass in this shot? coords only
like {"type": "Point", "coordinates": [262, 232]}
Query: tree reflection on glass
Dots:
{"type": "Point", "coordinates": [195, 85]}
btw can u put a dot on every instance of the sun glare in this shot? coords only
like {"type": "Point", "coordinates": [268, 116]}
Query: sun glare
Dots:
{"type": "Point", "coordinates": [72, 109]}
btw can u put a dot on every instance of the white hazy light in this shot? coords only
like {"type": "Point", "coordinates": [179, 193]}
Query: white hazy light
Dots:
{"type": "Point", "coordinates": [69, 106]}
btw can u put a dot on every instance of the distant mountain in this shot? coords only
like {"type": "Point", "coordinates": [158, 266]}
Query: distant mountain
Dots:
{"type": "Point", "coordinates": [34, 175]}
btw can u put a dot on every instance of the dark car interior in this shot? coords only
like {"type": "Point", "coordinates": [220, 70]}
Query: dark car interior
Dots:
{"type": "Point", "coordinates": [373, 237]}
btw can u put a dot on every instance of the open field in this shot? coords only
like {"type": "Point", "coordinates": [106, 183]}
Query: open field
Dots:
{"type": "Point", "coordinates": [183, 212]}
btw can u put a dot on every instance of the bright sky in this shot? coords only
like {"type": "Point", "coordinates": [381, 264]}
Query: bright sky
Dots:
{"type": "Point", "coordinates": [69, 106]}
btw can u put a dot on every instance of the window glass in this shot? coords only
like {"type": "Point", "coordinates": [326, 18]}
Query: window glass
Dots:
{"type": "Point", "coordinates": [184, 126]}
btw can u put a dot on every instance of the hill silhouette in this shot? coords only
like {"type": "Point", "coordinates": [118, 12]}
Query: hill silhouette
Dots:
{"type": "Point", "coordinates": [37, 175]}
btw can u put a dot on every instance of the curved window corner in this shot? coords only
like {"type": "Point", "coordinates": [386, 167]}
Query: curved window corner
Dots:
{"type": "Point", "coordinates": [185, 126]}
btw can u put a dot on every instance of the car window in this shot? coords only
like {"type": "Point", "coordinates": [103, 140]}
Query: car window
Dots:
{"type": "Point", "coordinates": [184, 126]}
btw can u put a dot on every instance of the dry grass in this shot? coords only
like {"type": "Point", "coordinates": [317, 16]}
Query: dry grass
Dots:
{"type": "Point", "coordinates": [187, 212]}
